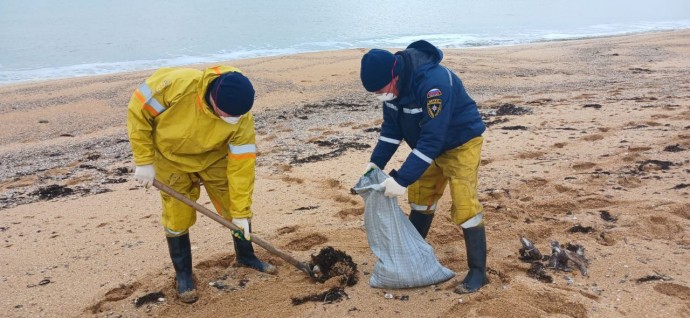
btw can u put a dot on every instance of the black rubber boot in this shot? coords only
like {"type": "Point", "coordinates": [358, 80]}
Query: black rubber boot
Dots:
{"type": "Point", "coordinates": [244, 255]}
{"type": "Point", "coordinates": [475, 242]}
{"type": "Point", "coordinates": [421, 222]}
{"type": "Point", "coordinates": [181, 254]}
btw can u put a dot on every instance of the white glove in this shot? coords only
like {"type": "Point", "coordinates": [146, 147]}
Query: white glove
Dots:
{"type": "Point", "coordinates": [145, 175]}
{"type": "Point", "coordinates": [370, 166]}
{"type": "Point", "coordinates": [243, 223]}
{"type": "Point", "coordinates": [392, 188]}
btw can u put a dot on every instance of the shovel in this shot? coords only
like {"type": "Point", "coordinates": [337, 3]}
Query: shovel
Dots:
{"type": "Point", "coordinates": [301, 266]}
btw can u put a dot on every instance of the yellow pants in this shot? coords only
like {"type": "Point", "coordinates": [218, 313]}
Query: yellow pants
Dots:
{"type": "Point", "coordinates": [458, 167]}
{"type": "Point", "coordinates": [178, 217]}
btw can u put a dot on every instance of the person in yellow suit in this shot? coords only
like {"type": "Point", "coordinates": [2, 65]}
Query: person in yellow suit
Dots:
{"type": "Point", "coordinates": [188, 127]}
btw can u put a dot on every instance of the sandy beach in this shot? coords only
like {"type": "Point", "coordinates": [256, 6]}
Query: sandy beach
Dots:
{"type": "Point", "coordinates": [588, 142]}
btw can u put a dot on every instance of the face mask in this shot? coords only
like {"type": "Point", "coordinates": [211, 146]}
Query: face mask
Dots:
{"type": "Point", "coordinates": [232, 120]}
{"type": "Point", "coordinates": [386, 97]}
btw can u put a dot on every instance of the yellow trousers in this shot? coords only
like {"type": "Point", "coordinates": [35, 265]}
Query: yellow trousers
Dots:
{"type": "Point", "coordinates": [178, 217]}
{"type": "Point", "coordinates": [458, 167]}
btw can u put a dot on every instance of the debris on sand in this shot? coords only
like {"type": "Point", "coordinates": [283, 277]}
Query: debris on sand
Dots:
{"type": "Point", "coordinates": [334, 263]}
{"type": "Point", "coordinates": [650, 278]}
{"type": "Point", "coordinates": [304, 208]}
{"type": "Point", "coordinates": [537, 271]}
{"type": "Point", "coordinates": [339, 148]}
{"type": "Point", "coordinates": [581, 229]}
{"type": "Point", "coordinates": [681, 186]}
{"type": "Point", "coordinates": [502, 110]}
{"type": "Point", "coordinates": [529, 252]}
{"type": "Point", "coordinates": [654, 165]}
{"type": "Point", "coordinates": [495, 122]}
{"type": "Point", "coordinates": [148, 298]}
{"type": "Point", "coordinates": [332, 295]}
{"type": "Point", "coordinates": [562, 258]}
{"type": "Point", "coordinates": [44, 281]}
{"type": "Point", "coordinates": [331, 263]}
{"type": "Point", "coordinates": [606, 216]}
{"type": "Point", "coordinates": [508, 109]}
{"type": "Point", "coordinates": [519, 127]}
{"type": "Point", "coordinates": [52, 191]}
{"type": "Point", "coordinates": [674, 148]}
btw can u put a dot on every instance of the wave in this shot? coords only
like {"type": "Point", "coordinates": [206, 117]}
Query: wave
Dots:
{"type": "Point", "coordinates": [449, 40]}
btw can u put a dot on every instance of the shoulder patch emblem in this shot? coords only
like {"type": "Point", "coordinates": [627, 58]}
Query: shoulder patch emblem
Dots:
{"type": "Point", "coordinates": [433, 107]}
{"type": "Point", "coordinates": [434, 92]}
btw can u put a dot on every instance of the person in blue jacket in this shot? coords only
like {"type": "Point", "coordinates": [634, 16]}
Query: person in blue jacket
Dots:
{"type": "Point", "coordinates": [426, 105]}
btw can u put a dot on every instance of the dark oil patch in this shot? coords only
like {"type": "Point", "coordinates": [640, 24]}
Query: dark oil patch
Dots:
{"type": "Point", "coordinates": [114, 180]}
{"type": "Point", "coordinates": [581, 229]}
{"type": "Point", "coordinates": [330, 296]}
{"type": "Point", "coordinates": [340, 148]}
{"type": "Point", "coordinates": [654, 164]}
{"type": "Point", "coordinates": [514, 128]}
{"type": "Point", "coordinates": [148, 298]}
{"type": "Point", "coordinates": [674, 148]}
{"type": "Point", "coordinates": [496, 122]}
{"type": "Point", "coordinates": [606, 216]}
{"type": "Point", "coordinates": [332, 263]}
{"type": "Point", "coordinates": [595, 106]}
{"type": "Point", "coordinates": [650, 278]}
{"type": "Point", "coordinates": [335, 263]}
{"type": "Point", "coordinates": [305, 208]}
{"type": "Point", "coordinates": [639, 70]}
{"type": "Point", "coordinates": [502, 110]}
{"type": "Point", "coordinates": [510, 110]}
{"type": "Point", "coordinates": [52, 191]}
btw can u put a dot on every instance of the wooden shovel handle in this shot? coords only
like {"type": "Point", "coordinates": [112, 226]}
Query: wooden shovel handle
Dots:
{"type": "Point", "coordinates": [216, 217]}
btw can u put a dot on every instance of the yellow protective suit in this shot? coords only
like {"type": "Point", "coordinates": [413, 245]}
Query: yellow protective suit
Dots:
{"type": "Point", "coordinates": [458, 167]}
{"type": "Point", "coordinates": [171, 126]}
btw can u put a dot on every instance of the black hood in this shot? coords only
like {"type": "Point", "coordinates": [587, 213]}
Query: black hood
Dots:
{"type": "Point", "coordinates": [415, 55]}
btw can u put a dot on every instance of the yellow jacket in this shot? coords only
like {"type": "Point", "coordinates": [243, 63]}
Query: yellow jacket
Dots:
{"type": "Point", "coordinates": [168, 116]}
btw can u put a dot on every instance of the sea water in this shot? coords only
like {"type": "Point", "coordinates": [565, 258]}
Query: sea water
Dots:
{"type": "Point", "coordinates": [50, 39]}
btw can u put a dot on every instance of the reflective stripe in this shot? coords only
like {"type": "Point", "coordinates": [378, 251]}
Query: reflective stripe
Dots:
{"type": "Point", "coordinates": [391, 106]}
{"type": "Point", "coordinates": [150, 103]}
{"type": "Point", "coordinates": [390, 140]}
{"type": "Point", "coordinates": [422, 156]}
{"type": "Point", "coordinates": [198, 102]}
{"type": "Point", "coordinates": [242, 156]}
{"type": "Point", "coordinates": [412, 110]}
{"type": "Point", "coordinates": [405, 110]}
{"type": "Point", "coordinates": [450, 77]}
{"type": "Point", "coordinates": [242, 152]}
{"type": "Point", "coordinates": [238, 150]}
{"type": "Point", "coordinates": [417, 207]}
{"type": "Point", "coordinates": [474, 221]}
{"type": "Point", "coordinates": [174, 233]}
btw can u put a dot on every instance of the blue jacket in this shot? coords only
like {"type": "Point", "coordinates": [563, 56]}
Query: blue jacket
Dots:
{"type": "Point", "coordinates": [433, 113]}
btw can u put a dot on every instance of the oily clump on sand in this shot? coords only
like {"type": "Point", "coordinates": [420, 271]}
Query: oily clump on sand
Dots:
{"type": "Point", "coordinates": [575, 128]}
